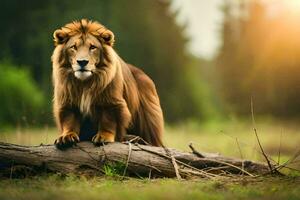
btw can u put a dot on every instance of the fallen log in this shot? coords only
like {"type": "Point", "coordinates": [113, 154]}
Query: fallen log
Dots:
{"type": "Point", "coordinates": [129, 158]}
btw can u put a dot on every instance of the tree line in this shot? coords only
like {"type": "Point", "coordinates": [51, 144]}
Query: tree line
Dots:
{"type": "Point", "coordinates": [259, 59]}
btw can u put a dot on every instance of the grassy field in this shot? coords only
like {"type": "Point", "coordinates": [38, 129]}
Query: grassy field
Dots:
{"type": "Point", "coordinates": [212, 137]}
{"type": "Point", "coordinates": [54, 187]}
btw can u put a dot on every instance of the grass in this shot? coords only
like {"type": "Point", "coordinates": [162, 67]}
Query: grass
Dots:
{"type": "Point", "coordinates": [213, 137]}
{"type": "Point", "coordinates": [70, 187]}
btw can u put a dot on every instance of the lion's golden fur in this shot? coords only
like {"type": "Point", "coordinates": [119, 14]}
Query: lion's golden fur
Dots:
{"type": "Point", "coordinates": [118, 98]}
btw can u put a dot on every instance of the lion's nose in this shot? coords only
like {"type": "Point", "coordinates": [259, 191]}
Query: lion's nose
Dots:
{"type": "Point", "coordinates": [82, 63]}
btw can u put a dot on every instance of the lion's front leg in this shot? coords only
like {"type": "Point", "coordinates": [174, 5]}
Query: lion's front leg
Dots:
{"type": "Point", "coordinates": [113, 124]}
{"type": "Point", "coordinates": [70, 127]}
{"type": "Point", "coordinates": [106, 128]}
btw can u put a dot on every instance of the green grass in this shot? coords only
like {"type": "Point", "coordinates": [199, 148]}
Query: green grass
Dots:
{"type": "Point", "coordinates": [55, 187]}
{"type": "Point", "coordinates": [214, 137]}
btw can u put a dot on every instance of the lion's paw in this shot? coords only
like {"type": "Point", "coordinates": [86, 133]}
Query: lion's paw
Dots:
{"type": "Point", "coordinates": [66, 140]}
{"type": "Point", "coordinates": [103, 137]}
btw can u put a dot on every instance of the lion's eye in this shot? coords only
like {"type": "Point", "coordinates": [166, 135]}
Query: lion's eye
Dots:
{"type": "Point", "coordinates": [73, 47]}
{"type": "Point", "coordinates": [93, 47]}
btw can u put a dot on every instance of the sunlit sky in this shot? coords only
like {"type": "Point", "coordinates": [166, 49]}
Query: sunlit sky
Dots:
{"type": "Point", "coordinates": [204, 20]}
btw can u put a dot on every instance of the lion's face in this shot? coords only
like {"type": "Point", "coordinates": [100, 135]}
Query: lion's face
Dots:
{"type": "Point", "coordinates": [82, 47]}
{"type": "Point", "coordinates": [83, 53]}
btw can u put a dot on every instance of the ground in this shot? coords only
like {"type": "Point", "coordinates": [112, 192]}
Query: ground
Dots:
{"type": "Point", "coordinates": [231, 138]}
{"type": "Point", "coordinates": [55, 187]}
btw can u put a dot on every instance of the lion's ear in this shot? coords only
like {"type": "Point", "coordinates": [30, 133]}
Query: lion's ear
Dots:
{"type": "Point", "coordinates": [60, 37]}
{"type": "Point", "coordinates": [108, 37]}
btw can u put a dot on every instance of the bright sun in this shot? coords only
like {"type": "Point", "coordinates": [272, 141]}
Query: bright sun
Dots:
{"type": "Point", "coordinates": [291, 4]}
{"type": "Point", "coordinates": [294, 4]}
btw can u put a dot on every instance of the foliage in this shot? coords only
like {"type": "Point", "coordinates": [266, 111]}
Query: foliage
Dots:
{"type": "Point", "coordinates": [19, 95]}
{"type": "Point", "coordinates": [259, 59]}
{"type": "Point", "coordinates": [114, 169]}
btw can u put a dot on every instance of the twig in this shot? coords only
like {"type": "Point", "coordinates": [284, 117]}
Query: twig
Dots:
{"type": "Point", "coordinates": [103, 157]}
{"type": "Point", "coordinates": [294, 157]}
{"type": "Point", "coordinates": [46, 131]}
{"type": "Point", "coordinates": [297, 170]}
{"type": "Point", "coordinates": [224, 163]}
{"type": "Point", "coordinates": [128, 158]}
{"type": "Point", "coordinates": [83, 150]}
{"type": "Point", "coordinates": [216, 168]}
{"type": "Point", "coordinates": [176, 168]}
{"type": "Point", "coordinates": [96, 161]}
{"type": "Point", "coordinates": [228, 164]}
{"type": "Point", "coordinates": [150, 173]}
{"type": "Point", "coordinates": [246, 144]}
{"type": "Point", "coordinates": [151, 167]}
{"type": "Point", "coordinates": [239, 147]}
{"type": "Point", "coordinates": [195, 151]}
{"type": "Point", "coordinates": [294, 161]}
{"type": "Point", "coordinates": [291, 160]}
{"type": "Point", "coordinates": [173, 160]}
{"type": "Point", "coordinates": [238, 144]}
{"type": "Point", "coordinates": [136, 139]}
{"type": "Point", "coordinates": [11, 169]}
{"type": "Point", "coordinates": [279, 150]}
{"type": "Point", "coordinates": [203, 173]}
{"type": "Point", "coordinates": [255, 131]}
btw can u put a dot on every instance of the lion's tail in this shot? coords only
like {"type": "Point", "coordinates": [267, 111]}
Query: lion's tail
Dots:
{"type": "Point", "coordinates": [150, 119]}
{"type": "Point", "coordinates": [147, 117]}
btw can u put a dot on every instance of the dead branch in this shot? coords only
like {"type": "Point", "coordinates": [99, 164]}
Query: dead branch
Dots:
{"type": "Point", "coordinates": [258, 140]}
{"type": "Point", "coordinates": [195, 151]}
{"type": "Point", "coordinates": [137, 159]}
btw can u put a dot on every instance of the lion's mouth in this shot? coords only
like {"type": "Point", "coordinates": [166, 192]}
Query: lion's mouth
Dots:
{"type": "Point", "coordinates": [84, 70]}
{"type": "Point", "coordinates": [83, 74]}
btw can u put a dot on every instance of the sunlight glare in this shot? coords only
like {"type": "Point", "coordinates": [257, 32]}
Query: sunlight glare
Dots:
{"type": "Point", "coordinates": [294, 4]}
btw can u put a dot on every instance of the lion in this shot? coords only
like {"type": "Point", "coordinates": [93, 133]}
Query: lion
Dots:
{"type": "Point", "coordinates": [97, 96]}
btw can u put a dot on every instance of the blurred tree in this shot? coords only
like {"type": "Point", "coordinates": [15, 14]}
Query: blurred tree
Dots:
{"type": "Point", "coordinates": [260, 58]}
{"type": "Point", "coordinates": [18, 97]}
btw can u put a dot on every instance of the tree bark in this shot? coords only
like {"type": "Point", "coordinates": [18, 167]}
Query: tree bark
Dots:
{"type": "Point", "coordinates": [128, 158]}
